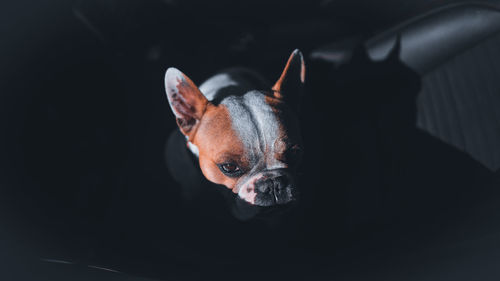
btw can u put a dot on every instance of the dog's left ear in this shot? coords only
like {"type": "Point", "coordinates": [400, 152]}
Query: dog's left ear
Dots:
{"type": "Point", "coordinates": [186, 101]}
{"type": "Point", "coordinates": [290, 85]}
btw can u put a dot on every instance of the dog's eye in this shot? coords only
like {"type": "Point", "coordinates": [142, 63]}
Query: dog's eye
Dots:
{"type": "Point", "coordinates": [230, 169]}
{"type": "Point", "coordinates": [296, 149]}
{"type": "Point", "coordinates": [293, 154]}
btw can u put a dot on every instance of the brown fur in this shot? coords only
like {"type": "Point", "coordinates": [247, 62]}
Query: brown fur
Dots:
{"type": "Point", "coordinates": [209, 127]}
{"type": "Point", "coordinates": [277, 88]}
{"type": "Point", "coordinates": [217, 143]}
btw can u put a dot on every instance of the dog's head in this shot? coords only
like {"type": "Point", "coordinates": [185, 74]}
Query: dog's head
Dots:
{"type": "Point", "coordinates": [249, 143]}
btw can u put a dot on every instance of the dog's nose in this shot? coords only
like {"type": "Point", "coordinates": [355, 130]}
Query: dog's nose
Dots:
{"type": "Point", "coordinates": [273, 185]}
{"type": "Point", "coordinates": [264, 185]}
{"type": "Point", "coordinates": [280, 182]}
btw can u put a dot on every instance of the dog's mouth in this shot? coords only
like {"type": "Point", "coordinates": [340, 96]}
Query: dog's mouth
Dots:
{"type": "Point", "coordinates": [244, 210]}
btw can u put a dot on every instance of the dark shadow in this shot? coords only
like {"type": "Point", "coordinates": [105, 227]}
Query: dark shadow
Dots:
{"type": "Point", "coordinates": [384, 178]}
{"type": "Point", "coordinates": [84, 121]}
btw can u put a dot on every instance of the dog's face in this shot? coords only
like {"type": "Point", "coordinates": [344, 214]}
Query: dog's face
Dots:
{"type": "Point", "coordinates": [250, 143]}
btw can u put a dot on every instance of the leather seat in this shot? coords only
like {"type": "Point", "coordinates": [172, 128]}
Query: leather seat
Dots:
{"type": "Point", "coordinates": [455, 49]}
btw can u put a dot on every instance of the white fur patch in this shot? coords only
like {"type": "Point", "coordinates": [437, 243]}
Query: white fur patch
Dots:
{"type": "Point", "coordinates": [256, 124]}
{"type": "Point", "coordinates": [210, 87]}
{"type": "Point", "coordinates": [194, 149]}
{"type": "Point", "coordinates": [247, 190]}
{"type": "Point", "coordinates": [248, 194]}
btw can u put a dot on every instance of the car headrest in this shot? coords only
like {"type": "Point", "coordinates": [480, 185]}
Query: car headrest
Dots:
{"type": "Point", "coordinates": [428, 39]}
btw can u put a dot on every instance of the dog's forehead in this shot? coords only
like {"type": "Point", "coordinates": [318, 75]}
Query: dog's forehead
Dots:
{"type": "Point", "coordinates": [255, 121]}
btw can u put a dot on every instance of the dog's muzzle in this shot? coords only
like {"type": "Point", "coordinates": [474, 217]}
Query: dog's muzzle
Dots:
{"type": "Point", "coordinates": [273, 187]}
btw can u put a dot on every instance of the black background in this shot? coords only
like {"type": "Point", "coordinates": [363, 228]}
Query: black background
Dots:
{"type": "Point", "coordinates": [84, 120]}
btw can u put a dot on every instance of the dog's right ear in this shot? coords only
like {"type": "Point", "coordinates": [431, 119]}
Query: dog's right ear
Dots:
{"type": "Point", "coordinates": [186, 101]}
{"type": "Point", "coordinates": [290, 85]}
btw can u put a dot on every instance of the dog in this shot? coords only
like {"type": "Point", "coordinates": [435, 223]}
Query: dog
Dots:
{"type": "Point", "coordinates": [240, 132]}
